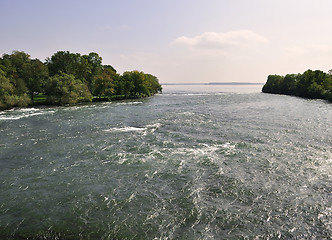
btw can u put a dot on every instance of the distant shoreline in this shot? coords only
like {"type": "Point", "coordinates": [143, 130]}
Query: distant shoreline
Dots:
{"type": "Point", "coordinates": [215, 83]}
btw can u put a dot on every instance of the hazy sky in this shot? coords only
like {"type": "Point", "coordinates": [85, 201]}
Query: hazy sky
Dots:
{"type": "Point", "coordinates": [177, 40]}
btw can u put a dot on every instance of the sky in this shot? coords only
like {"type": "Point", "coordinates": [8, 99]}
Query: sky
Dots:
{"type": "Point", "coordinates": [179, 41]}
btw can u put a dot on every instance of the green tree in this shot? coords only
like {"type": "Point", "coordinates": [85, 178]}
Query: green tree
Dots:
{"type": "Point", "coordinates": [63, 61]}
{"type": "Point", "coordinates": [94, 61]}
{"type": "Point", "coordinates": [64, 89]}
{"type": "Point", "coordinates": [36, 74]}
{"type": "Point", "coordinates": [288, 84]}
{"type": "Point", "coordinates": [140, 87]}
{"type": "Point", "coordinates": [16, 65]}
{"type": "Point", "coordinates": [152, 83]}
{"type": "Point", "coordinates": [68, 77]}
{"type": "Point", "coordinates": [273, 84]}
{"type": "Point", "coordinates": [6, 92]}
{"type": "Point", "coordinates": [315, 91]}
{"type": "Point", "coordinates": [109, 67]}
{"type": "Point", "coordinates": [85, 67]}
{"type": "Point", "coordinates": [135, 84]}
{"type": "Point", "coordinates": [310, 84]}
{"type": "Point", "coordinates": [126, 85]}
{"type": "Point", "coordinates": [104, 84]}
{"type": "Point", "coordinates": [8, 98]}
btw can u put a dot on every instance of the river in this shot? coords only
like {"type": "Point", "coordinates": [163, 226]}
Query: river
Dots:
{"type": "Point", "coordinates": [196, 162]}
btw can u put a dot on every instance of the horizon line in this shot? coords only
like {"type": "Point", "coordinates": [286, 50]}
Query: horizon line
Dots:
{"type": "Point", "coordinates": [215, 83]}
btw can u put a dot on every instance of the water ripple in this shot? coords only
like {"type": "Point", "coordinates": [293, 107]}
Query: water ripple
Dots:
{"type": "Point", "coordinates": [183, 166]}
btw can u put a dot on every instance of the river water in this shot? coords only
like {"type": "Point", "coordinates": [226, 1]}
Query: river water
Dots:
{"type": "Point", "coordinates": [196, 162]}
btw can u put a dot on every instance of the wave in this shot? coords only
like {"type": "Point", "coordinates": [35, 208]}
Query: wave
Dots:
{"type": "Point", "coordinates": [16, 114]}
{"type": "Point", "coordinates": [129, 103]}
{"type": "Point", "coordinates": [125, 129]}
{"type": "Point", "coordinates": [148, 128]}
{"type": "Point", "coordinates": [27, 110]}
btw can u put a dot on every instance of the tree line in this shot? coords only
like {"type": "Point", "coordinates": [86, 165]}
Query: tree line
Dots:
{"type": "Point", "coordinates": [67, 78]}
{"type": "Point", "coordinates": [311, 84]}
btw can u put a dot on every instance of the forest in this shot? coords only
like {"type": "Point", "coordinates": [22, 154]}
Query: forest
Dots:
{"type": "Point", "coordinates": [67, 78]}
{"type": "Point", "coordinates": [311, 84]}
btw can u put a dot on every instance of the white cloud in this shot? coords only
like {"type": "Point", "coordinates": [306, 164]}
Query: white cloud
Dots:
{"type": "Point", "coordinates": [220, 41]}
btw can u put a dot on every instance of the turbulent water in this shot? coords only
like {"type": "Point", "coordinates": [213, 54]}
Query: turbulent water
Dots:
{"type": "Point", "coordinates": [191, 163]}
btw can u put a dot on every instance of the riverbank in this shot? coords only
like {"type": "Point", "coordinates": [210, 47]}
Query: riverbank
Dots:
{"type": "Point", "coordinates": [41, 102]}
{"type": "Point", "coordinates": [311, 84]}
{"type": "Point", "coordinates": [68, 78]}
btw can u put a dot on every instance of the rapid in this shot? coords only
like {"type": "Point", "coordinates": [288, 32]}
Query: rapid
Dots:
{"type": "Point", "coordinates": [191, 163]}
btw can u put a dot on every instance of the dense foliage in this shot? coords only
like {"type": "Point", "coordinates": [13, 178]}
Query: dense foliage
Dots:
{"type": "Point", "coordinates": [67, 78]}
{"type": "Point", "coordinates": [311, 84]}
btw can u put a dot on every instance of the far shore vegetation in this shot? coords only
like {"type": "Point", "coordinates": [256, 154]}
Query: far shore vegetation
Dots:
{"type": "Point", "coordinates": [67, 78]}
{"type": "Point", "coordinates": [311, 84]}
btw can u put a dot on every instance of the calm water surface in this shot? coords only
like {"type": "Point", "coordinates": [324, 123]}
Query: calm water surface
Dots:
{"type": "Point", "coordinates": [198, 162]}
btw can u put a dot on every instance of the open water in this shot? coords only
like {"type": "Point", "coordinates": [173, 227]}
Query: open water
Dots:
{"type": "Point", "coordinates": [196, 162]}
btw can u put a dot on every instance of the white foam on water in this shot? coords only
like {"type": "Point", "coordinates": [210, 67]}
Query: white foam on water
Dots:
{"type": "Point", "coordinates": [28, 110]}
{"type": "Point", "coordinates": [209, 150]}
{"type": "Point", "coordinates": [19, 110]}
{"type": "Point", "coordinates": [26, 113]}
{"type": "Point", "coordinates": [11, 118]}
{"type": "Point", "coordinates": [195, 94]}
{"type": "Point", "coordinates": [77, 107]}
{"type": "Point", "coordinates": [126, 129]}
{"type": "Point", "coordinates": [148, 128]}
{"type": "Point", "coordinates": [153, 127]}
{"type": "Point", "coordinates": [129, 103]}
{"type": "Point", "coordinates": [229, 148]}
{"type": "Point", "coordinates": [210, 154]}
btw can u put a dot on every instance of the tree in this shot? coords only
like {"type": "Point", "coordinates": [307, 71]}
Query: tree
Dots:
{"type": "Point", "coordinates": [288, 84]}
{"type": "Point", "coordinates": [96, 67]}
{"type": "Point", "coordinates": [13, 85]}
{"type": "Point", "coordinates": [6, 92]}
{"type": "Point", "coordinates": [109, 67]}
{"type": "Point", "coordinates": [153, 84]}
{"type": "Point", "coordinates": [63, 61]}
{"type": "Point", "coordinates": [16, 66]}
{"type": "Point", "coordinates": [310, 84]}
{"type": "Point", "coordinates": [125, 85]}
{"type": "Point", "coordinates": [64, 89]}
{"type": "Point", "coordinates": [135, 84]}
{"type": "Point", "coordinates": [36, 74]}
{"type": "Point", "coordinates": [8, 98]}
{"type": "Point", "coordinates": [273, 84]}
{"type": "Point", "coordinates": [315, 91]}
{"type": "Point", "coordinates": [84, 67]}
{"type": "Point", "coordinates": [68, 77]}
{"type": "Point", "coordinates": [104, 83]}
